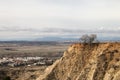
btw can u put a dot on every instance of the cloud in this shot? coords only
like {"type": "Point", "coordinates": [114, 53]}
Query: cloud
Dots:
{"type": "Point", "coordinates": [31, 18]}
{"type": "Point", "coordinates": [33, 33]}
{"type": "Point", "coordinates": [15, 29]}
{"type": "Point", "coordinates": [58, 30]}
{"type": "Point", "coordinates": [118, 28]}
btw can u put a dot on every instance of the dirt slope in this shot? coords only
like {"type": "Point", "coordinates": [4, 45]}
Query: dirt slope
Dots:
{"type": "Point", "coordinates": [86, 62]}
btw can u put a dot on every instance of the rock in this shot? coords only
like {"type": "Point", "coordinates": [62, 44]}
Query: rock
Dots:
{"type": "Point", "coordinates": [99, 61]}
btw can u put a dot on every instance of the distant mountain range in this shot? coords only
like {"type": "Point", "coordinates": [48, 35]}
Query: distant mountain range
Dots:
{"type": "Point", "coordinates": [75, 39]}
{"type": "Point", "coordinates": [109, 39]}
{"type": "Point", "coordinates": [56, 39]}
{"type": "Point", "coordinates": [64, 39]}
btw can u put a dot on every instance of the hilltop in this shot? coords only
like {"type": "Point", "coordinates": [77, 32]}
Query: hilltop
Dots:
{"type": "Point", "coordinates": [99, 61]}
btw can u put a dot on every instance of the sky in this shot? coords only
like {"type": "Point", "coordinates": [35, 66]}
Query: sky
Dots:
{"type": "Point", "coordinates": [31, 19]}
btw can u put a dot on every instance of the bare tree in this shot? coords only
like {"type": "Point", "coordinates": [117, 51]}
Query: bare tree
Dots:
{"type": "Point", "coordinates": [92, 38]}
{"type": "Point", "coordinates": [88, 38]}
{"type": "Point", "coordinates": [84, 38]}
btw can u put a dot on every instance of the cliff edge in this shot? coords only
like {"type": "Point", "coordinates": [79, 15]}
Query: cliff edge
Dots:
{"type": "Point", "coordinates": [99, 61]}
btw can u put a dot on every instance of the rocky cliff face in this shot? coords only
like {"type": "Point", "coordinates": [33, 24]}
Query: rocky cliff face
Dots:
{"type": "Point", "coordinates": [86, 62]}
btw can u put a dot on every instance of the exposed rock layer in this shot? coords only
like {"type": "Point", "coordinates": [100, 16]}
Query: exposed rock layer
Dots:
{"type": "Point", "coordinates": [86, 62]}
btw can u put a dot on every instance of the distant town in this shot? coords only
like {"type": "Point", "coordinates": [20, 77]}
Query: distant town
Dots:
{"type": "Point", "coordinates": [25, 61]}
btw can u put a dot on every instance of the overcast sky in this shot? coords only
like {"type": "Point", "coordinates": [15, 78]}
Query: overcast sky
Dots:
{"type": "Point", "coordinates": [30, 19]}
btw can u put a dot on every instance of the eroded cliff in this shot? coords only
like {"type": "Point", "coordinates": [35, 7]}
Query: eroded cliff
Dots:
{"type": "Point", "coordinates": [99, 61]}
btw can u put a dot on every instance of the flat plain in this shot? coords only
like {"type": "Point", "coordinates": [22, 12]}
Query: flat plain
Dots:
{"type": "Point", "coordinates": [13, 49]}
{"type": "Point", "coordinates": [23, 49]}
